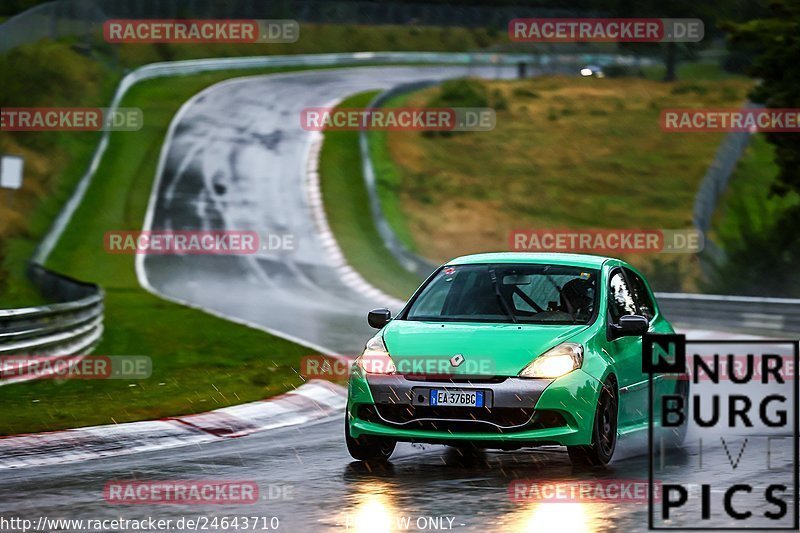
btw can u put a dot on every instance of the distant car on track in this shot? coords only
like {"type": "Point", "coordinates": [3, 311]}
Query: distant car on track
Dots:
{"type": "Point", "coordinates": [510, 350]}
{"type": "Point", "coordinates": [593, 71]}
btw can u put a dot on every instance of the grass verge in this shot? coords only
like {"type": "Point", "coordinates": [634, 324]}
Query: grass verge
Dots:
{"type": "Point", "coordinates": [748, 189]}
{"type": "Point", "coordinates": [45, 75]}
{"type": "Point", "coordinates": [77, 72]}
{"type": "Point", "coordinates": [566, 153]}
{"type": "Point", "coordinates": [347, 208]}
{"type": "Point", "coordinates": [200, 362]}
{"type": "Point", "coordinates": [388, 182]}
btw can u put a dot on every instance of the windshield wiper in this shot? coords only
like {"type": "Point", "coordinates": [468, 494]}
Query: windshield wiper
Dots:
{"type": "Point", "coordinates": [503, 302]}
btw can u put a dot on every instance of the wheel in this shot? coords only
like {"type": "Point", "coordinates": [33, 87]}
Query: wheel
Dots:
{"type": "Point", "coordinates": [604, 433]}
{"type": "Point", "coordinates": [367, 447]}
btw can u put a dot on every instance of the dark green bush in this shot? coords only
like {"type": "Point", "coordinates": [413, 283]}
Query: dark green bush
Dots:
{"type": "Point", "coordinates": [462, 92]}
{"type": "Point", "coordinates": [524, 92]}
{"type": "Point", "coordinates": [499, 101]}
{"type": "Point", "coordinates": [621, 71]}
{"type": "Point", "coordinates": [760, 257]}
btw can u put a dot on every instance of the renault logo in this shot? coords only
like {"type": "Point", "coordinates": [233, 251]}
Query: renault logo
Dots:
{"type": "Point", "coordinates": [457, 359]}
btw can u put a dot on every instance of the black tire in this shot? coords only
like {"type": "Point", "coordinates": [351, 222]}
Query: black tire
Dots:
{"type": "Point", "coordinates": [604, 432]}
{"type": "Point", "coordinates": [367, 447]}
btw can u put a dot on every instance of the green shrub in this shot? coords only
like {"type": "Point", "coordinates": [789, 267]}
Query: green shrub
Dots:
{"type": "Point", "coordinates": [760, 244]}
{"type": "Point", "coordinates": [618, 71]}
{"type": "Point", "coordinates": [462, 92]}
{"type": "Point", "coordinates": [524, 92]}
{"type": "Point", "coordinates": [622, 71]}
{"type": "Point", "coordinates": [737, 62]}
{"type": "Point", "coordinates": [499, 101]}
{"type": "Point", "coordinates": [730, 93]}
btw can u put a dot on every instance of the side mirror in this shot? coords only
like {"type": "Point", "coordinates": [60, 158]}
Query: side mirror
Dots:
{"type": "Point", "coordinates": [378, 318]}
{"type": "Point", "coordinates": [630, 326]}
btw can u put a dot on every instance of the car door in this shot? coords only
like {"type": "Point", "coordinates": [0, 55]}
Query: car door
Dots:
{"type": "Point", "coordinates": [627, 354]}
{"type": "Point", "coordinates": [663, 384]}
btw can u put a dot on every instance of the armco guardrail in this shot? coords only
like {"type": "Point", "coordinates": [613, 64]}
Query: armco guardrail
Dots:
{"type": "Point", "coordinates": [73, 325]}
{"type": "Point", "coordinates": [83, 19]}
{"type": "Point", "coordinates": [409, 260]}
{"type": "Point", "coordinates": [542, 63]}
{"type": "Point", "coordinates": [741, 313]}
{"type": "Point", "coordinates": [713, 186]}
{"type": "Point", "coordinates": [194, 66]}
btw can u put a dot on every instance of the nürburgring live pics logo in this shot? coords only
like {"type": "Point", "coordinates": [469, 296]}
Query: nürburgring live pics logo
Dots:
{"type": "Point", "coordinates": [737, 411]}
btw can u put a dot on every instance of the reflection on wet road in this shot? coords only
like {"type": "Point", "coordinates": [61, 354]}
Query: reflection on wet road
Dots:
{"type": "Point", "coordinates": [330, 491]}
{"type": "Point", "coordinates": [236, 161]}
{"type": "Point", "coordinates": [309, 483]}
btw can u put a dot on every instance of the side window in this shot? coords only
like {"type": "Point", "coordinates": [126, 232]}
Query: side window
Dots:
{"type": "Point", "coordinates": [641, 295]}
{"type": "Point", "coordinates": [620, 301]}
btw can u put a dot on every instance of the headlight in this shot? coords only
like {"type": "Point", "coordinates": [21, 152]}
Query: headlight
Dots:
{"type": "Point", "coordinates": [556, 362]}
{"type": "Point", "coordinates": [375, 358]}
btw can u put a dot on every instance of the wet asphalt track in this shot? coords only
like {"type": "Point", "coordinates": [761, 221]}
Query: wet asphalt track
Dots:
{"type": "Point", "coordinates": [237, 161]}
{"type": "Point", "coordinates": [327, 491]}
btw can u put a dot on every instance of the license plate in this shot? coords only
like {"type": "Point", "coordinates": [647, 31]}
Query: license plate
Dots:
{"type": "Point", "coordinates": [457, 398]}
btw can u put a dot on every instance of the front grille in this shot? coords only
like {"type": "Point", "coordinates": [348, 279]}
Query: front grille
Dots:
{"type": "Point", "coordinates": [462, 419]}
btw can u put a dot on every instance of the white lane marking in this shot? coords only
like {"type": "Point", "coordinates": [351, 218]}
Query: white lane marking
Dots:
{"type": "Point", "coordinates": [141, 272]}
{"type": "Point", "coordinates": [324, 400]}
{"type": "Point", "coordinates": [347, 273]}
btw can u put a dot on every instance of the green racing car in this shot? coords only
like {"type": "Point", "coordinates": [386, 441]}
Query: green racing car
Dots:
{"type": "Point", "coordinates": [510, 350]}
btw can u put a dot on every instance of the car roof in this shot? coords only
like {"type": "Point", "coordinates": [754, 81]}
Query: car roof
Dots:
{"type": "Point", "coordinates": [579, 260]}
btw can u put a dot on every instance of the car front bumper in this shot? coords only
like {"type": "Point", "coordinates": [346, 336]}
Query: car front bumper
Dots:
{"type": "Point", "coordinates": [520, 412]}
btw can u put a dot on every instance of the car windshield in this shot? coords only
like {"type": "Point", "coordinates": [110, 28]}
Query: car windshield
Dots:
{"type": "Point", "coordinates": [529, 294]}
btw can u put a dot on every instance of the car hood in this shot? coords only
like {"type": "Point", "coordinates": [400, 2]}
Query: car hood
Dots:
{"type": "Point", "coordinates": [488, 349]}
